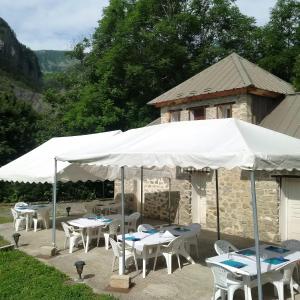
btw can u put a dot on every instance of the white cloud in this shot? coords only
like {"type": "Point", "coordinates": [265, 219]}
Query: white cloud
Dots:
{"type": "Point", "coordinates": [52, 24]}
{"type": "Point", "coordinates": [58, 24]}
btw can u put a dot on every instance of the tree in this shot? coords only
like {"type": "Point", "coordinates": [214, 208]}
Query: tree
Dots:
{"type": "Point", "coordinates": [17, 127]}
{"type": "Point", "coordinates": [281, 39]}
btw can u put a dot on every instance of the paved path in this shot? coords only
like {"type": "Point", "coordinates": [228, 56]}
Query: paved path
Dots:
{"type": "Point", "coordinates": [192, 282]}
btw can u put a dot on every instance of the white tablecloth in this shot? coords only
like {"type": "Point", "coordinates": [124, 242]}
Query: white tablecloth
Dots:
{"type": "Point", "coordinates": [157, 238]}
{"type": "Point", "coordinates": [250, 261]}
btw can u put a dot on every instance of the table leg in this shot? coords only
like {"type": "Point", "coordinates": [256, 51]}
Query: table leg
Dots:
{"type": "Point", "coordinates": [87, 240]}
{"type": "Point", "coordinates": [83, 239]}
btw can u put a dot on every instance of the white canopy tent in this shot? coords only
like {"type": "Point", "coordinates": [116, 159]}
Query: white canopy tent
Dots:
{"type": "Point", "coordinates": [37, 166]}
{"type": "Point", "coordinates": [223, 143]}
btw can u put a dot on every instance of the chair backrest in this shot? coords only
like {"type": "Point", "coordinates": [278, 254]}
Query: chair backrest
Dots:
{"type": "Point", "coordinates": [144, 227]}
{"type": "Point", "coordinates": [114, 226]}
{"type": "Point", "coordinates": [43, 213]}
{"type": "Point", "coordinates": [175, 244]}
{"type": "Point", "coordinates": [21, 204]}
{"type": "Point", "coordinates": [66, 229]}
{"type": "Point", "coordinates": [220, 275]}
{"type": "Point", "coordinates": [14, 213]}
{"type": "Point", "coordinates": [222, 247]}
{"type": "Point", "coordinates": [132, 219]}
{"type": "Point", "coordinates": [287, 271]}
{"type": "Point", "coordinates": [115, 247]}
{"type": "Point", "coordinates": [291, 244]}
{"type": "Point", "coordinates": [89, 207]}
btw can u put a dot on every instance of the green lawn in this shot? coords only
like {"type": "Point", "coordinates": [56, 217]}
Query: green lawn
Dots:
{"type": "Point", "coordinates": [24, 277]}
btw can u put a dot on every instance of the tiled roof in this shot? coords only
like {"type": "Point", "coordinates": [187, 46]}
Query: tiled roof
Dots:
{"type": "Point", "coordinates": [232, 72]}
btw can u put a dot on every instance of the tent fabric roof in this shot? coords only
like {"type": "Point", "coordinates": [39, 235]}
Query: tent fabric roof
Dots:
{"type": "Point", "coordinates": [285, 118]}
{"type": "Point", "coordinates": [219, 143]}
{"type": "Point", "coordinates": [232, 72]}
{"type": "Point", "coordinates": [38, 165]}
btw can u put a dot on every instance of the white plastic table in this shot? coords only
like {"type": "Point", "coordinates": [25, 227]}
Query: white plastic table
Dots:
{"type": "Point", "coordinates": [250, 260]}
{"type": "Point", "coordinates": [92, 223]}
{"type": "Point", "coordinates": [29, 211]}
{"type": "Point", "coordinates": [155, 240]}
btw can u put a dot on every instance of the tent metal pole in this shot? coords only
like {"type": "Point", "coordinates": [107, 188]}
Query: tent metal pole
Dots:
{"type": "Point", "coordinates": [54, 195]}
{"type": "Point", "coordinates": [169, 204]}
{"type": "Point", "coordinates": [218, 206]}
{"type": "Point", "coordinates": [142, 194]}
{"type": "Point", "coordinates": [256, 235]}
{"type": "Point", "coordinates": [123, 220]}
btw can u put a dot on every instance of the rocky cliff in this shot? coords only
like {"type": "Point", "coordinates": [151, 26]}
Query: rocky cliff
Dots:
{"type": "Point", "coordinates": [16, 59]}
{"type": "Point", "coordinates": [54, 60]}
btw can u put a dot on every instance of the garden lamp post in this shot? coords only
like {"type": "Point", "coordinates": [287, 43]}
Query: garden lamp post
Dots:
{"type": "Point", "coordinates": [79, 268]}
{"type": "Point", "coordinates": [16, 237]}
{"type": "Point", "coordinates": [68, 209]}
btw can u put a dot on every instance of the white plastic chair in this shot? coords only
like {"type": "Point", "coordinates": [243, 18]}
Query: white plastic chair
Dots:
{"type": "Point", "coordinates": [281, 277]}
{"type": "Point", "coordinates": [89, 207]}
{"type": "Point", "coordinates": [20, 204]}
{"type": "Point", "coordinates": [18, 220]}
{"type": "Point", "coordinates": [293, 245]}
{"type": "Point", "coordinates": [131, 222]}
{"type": "Point", "coordinates": [117, 250]}
{"type": "Point", "coordinates": [72, 235]}
{"type": "Point", "coordinates": [42, 216]}
{"type": "Point", "coordinates": [144, 227]}
{"type": "Point", "coordinates": [173, 248]}
{"type": "Point", "coordinates": [111, 231]}
{"type": "Point", "coordinates": [223, 247]}
{"type": "Point", "coordinates": [194, 240]}
{"type": "Point", "coordinates": [224, 282]}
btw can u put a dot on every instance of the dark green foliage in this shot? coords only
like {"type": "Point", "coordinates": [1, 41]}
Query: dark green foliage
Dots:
{"type": "Point", "coordinates": [281, 39]}
{"type": "Point", "coordinates": [17, 127]}
{"type": "Point", "coordinates": [24, 277]}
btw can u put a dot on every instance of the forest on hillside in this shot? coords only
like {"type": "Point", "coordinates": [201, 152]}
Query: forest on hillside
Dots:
{"type": "Point", "coordinates": [140, 49]}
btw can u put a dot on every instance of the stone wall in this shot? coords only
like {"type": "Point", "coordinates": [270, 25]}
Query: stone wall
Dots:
{"type": "Point", "coordinates": [236, 208]}
{"type": "Point", "coordinates": [131, 198]}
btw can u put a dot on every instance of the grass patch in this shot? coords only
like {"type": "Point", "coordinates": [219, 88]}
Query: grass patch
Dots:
{"type": "Point", "coordinates": [24, 277]}
{"type": "Point", "coordinates": [5, 220]}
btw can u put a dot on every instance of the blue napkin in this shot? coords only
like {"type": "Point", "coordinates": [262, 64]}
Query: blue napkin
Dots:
{"type": "Point", "coordinates": [151, 231]}
{"type": "Point", "coordinates": [276, 260]}
{"type": "Point", "coordinates": [246, 252]}
{"type": "Point", "coordinates": [132, 238]}
{"type": "Point", "coordinates": [106, 220]}
{"type": "Point", "coordinates": [233, 263]}
{"type": "Point", "coordinates": [277, 249]}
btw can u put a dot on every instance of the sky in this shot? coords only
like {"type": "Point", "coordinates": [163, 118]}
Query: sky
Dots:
{"type": "Point", "coordinates": [60, 24]}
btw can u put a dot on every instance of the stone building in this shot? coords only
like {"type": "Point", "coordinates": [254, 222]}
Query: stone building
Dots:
{"type": "Point", "coordinates": [233, 87]}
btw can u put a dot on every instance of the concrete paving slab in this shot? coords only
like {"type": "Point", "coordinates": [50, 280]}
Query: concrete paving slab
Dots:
{"type": "Point", "coordinates": [192, 282]}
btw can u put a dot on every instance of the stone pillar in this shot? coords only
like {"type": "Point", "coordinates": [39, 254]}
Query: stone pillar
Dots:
{"type": "Point", "coordinates": [242, 108]}
{"type": "Point", "coordinates": [184, 115]}
{"type": "Point", "coordinates": [165, 117]}
{"type": "Point", "coordinates": [211, 112]}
